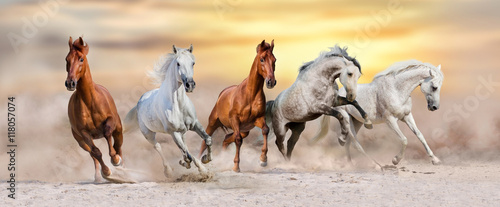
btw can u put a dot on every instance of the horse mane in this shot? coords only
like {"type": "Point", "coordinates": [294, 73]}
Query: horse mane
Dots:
{"type": "Point", "coordinates": [334, 51]}
{"type": "Point", "coordinates": [158, 74]}
{"type": "Point", "coordinates": [404, 66]}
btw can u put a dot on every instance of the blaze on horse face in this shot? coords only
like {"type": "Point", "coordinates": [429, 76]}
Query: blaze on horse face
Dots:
{"type": "Point", "coordinates": [75, 62]}
{"type": "Point", "coordinates": [431, 88]}
{"type": "Point", "coordinates": [185, 64]}
{"type": "Point", "coordinates": [267, 63]}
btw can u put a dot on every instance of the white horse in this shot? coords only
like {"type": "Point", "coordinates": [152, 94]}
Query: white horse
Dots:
{"type": "Point", "coordinates": [168, 109]}
{"type": "Point", "coordinates": [314, 93]}
{"type": "Point", "coordinates": [387, 99]}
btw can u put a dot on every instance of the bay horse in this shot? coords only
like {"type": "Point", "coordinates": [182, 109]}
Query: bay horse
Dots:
{"type": "Point", "coordinates": [314, 93]}
{"type": "Point", "coordinates": [91, 110]}
{"type": "Point", "coordinates": [242, 107]}
{"type": "Point", "coordinates": [387, 99]}
{"type": "Point", "coordinates": [169, 110]}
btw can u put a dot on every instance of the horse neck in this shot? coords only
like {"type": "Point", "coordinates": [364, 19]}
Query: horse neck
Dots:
{"type": "Point", "coordinates": [407, 81]}
{"type": "Point", "coordinates": [85, 86]}
{"type": "Point", "coordinates": [169, 87]}
{"type": "Point", "coordinates": [255, 82]}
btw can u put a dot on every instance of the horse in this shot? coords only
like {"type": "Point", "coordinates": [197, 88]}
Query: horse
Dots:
{"type": "Point", "coordinates": [168, 109]}
{"type": "Point", "coordinates": [314, 93]}
{"type": "Point", "coordinates": [387, 99]}
{"type": "Point", "coordinates": [242, 107]}
{"type": "Point", "coordinates": [91, 110]}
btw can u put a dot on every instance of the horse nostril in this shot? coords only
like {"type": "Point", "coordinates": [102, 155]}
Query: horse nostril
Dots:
{"type": "Point", "coordinates": [66, 83]}
{"type": "Point", "coordinates": [434, 107]}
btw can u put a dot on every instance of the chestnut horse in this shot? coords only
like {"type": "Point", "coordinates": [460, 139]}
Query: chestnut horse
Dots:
{"type": "Point", "coordinates": [91, 110]}
{"type": "Point", "coordinates": [243, 107]}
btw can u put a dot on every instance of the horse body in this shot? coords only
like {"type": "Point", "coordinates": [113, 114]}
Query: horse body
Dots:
{"type": "Point", "coordinates": [91, 110]}
{"type": "Point", "coordinates": [387, 99]}
{"type": "Point", "coordinates": [242, 107]}
{"type": "Point", "coordinates": [314, 93]}
{"type": "Point", "coordinates": [169, 110]}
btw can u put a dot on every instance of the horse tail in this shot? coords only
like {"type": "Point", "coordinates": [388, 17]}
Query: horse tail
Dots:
{"type": "Point", "coordinates": [323, 130]}
{"type": "Point", "coordinates": [131, 123]}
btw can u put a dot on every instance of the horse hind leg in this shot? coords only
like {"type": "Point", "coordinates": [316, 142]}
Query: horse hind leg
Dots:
{"type": "Point", "coordinates": [151, 137]}
{"type": "Point", "coordinates": [296, 129]}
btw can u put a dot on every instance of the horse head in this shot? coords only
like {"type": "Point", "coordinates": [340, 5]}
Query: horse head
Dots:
{"type": "Point", "coordinates": [431, 88]}
{"type": "Point", "coordinates": [76, 62]}
{"type": "Point", "coordinates": [266, 63]}
{"type": "Point", "coordinates": [185, 63]}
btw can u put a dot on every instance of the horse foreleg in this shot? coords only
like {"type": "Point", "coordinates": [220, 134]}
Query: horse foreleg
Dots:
{"type": "Point", "coordinates": [411, 124]}
{"type": "Point", "coordinates": [343, 101]}
{"type": "Point", "coordinates": [96, 153]}
{"type": "Point", "coordinates": [228, 139]}
{"type": "Point", "coordinates": [198, 128]}
{"type": "Point", "coordinates": [261, 123]}
{"type": "Point", "coordinates": [343, 125]}
{"type": "Point", "coordinates": [280, 132]}
{"type": "Point", "coordinates": [84, 146]}
{"type": "Point", "coordinates": [393, 124]}
{"type": "Point", "coordinates": [296, 129]}
{"type": "Point", "coordinates": [109, 131]}
{"type": "Point", "coordinates": [186, 162]}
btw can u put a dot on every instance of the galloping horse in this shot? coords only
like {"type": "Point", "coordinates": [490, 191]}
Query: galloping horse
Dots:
{"type": "Point", "coordinates": [91, 110]}
{"type": "Point", "coordinates": [314, 93]}
{"type": "Point", "coordinates": [242, 107]}
{"type": "Point", "coordinates": [169, 110]}
{"type": "Point", "coordinates": [387, 99]}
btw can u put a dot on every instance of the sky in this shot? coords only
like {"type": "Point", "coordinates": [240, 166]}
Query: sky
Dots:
{"type": "Point", "coordinates": [127, 37]}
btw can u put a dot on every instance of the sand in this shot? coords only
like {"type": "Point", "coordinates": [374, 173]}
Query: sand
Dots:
{"type": "Point", "coordinates": [470, 183]}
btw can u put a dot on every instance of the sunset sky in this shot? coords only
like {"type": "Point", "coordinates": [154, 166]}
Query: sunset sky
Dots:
{"type": "Point", "coordinates": [126, 37]}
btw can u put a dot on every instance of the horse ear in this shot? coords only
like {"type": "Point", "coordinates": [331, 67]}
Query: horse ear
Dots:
{"type": "Point", "coordinates": [85, 47]}
{"type": "Point", "coordinates": [272, 45]}
{"type": "Point", "coordinates": [70, 42]}
{"type": "Point", "coordinates": [439, 67]}
{"type": "Point", "coordinates": [262, 44]}
{"type": "Point", "coordinates": [191, 48]}
{"type": "Point", "coordinates": [174, 49]}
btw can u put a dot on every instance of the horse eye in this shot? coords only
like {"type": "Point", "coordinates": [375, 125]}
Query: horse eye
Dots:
{"type": "Point", "coordinates": [349, 74]}
{"type": "Point", "coordinates": [178, 65]}
{"type": "Point", "coordinates": [262, 60]}
{"type": "Point", "coordinates": [434, 88]}
{"type": "Point", "coordinates": [81, 60]}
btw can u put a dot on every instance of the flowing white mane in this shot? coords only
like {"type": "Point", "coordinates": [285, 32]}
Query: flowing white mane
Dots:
{"type": "Point", "coordinates": [334, 51]}
{"type": "Point", "coordinates": [407, 65]}
{"type": "Point", "coordinates": [157, 75]}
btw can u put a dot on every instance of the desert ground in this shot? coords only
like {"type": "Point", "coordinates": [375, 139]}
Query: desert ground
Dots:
{"type": "Point", "coordinates": [52, 170]}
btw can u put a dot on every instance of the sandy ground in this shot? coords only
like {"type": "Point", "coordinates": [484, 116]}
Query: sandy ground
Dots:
{"type": "Point", "coordinates": [470, 183]}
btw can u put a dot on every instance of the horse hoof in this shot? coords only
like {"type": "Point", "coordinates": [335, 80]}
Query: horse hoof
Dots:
{"type": "Point", "coordinates": [368, 125]}
{"type": "Point", "coordinates": [395, 161]}
{"type": "Point", "coordinates": [341, 141]}
{"type": "Point", "coordinates": [263, 164]}
{"type": "Point", "coordinates": [187, 165]}
{"type": "Point", "coordinates": [436, 161]}
{"type": "Point", "coordinates": [116, 162]}
{"type": "Point", "coordinates": [205, 159]}
{"type": "Point", "coordinates": [236, 169]}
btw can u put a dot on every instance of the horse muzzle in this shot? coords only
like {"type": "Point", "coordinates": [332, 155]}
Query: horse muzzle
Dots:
{"type": "Point", "coordinates": [70, 85]}
{"type": "Point", "coordinates": [270, 83]}
{"type": "Point", "coordinates": [432, 107]}
{"type": "Point", "coordinates": [190, 85]}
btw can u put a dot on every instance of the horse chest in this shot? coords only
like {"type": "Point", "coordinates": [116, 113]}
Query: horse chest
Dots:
{"type": "Point", "coordinates": [91, 120]}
